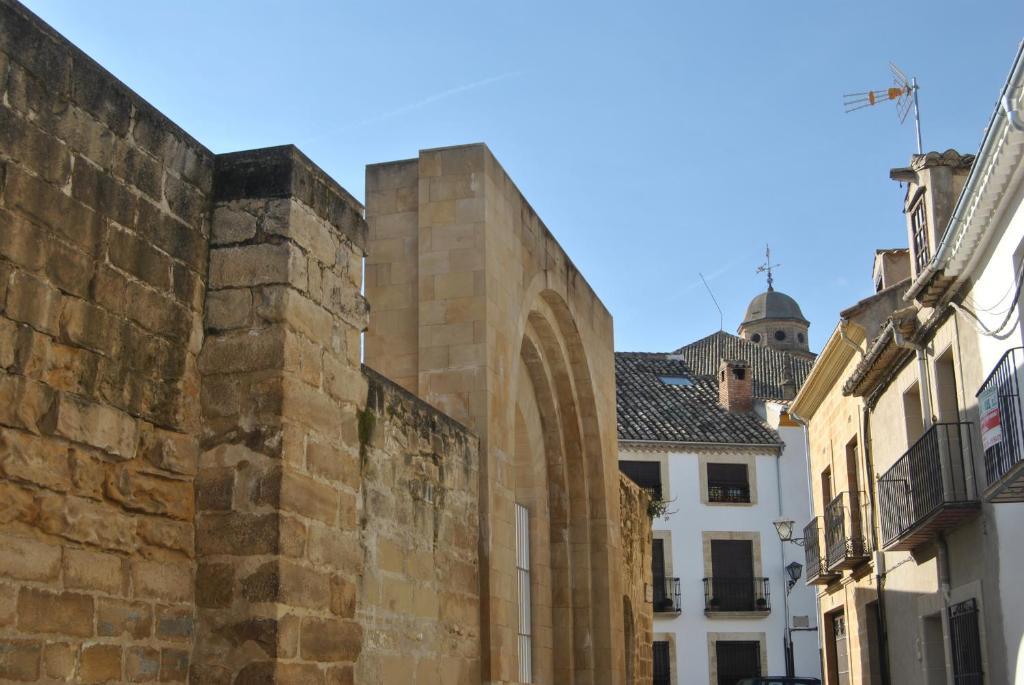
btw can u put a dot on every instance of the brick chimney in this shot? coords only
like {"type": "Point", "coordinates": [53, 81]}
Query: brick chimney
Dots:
{"type": "Point", "coordinates": [735, 386]}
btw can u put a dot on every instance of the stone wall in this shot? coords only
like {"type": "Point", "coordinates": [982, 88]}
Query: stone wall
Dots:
{"type": "Point", "coordinates": [419, 592]}
{"type": "Point", "coordinates": [638, 616]}
{"type": "Point", "coordinates": [103, 239]}
{"type": "Point", "coordinates": [181, 407]}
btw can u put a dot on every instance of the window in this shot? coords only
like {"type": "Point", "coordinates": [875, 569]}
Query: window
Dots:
{"type": "Point", "coordinates": [680, 381]}
{"type": "Point", "coordinates": [666, 590]}
{"type": "Point", "coordinates": [728, 483]}
{"type": "Point", "coordinates": [523, 578]}
{"type": "Point", "coordinates": [732, 586]}
{"type": "Point", "coordinates": [662, 664]}
{"type": "Point", "coordinates": [800, 337]}
{"type": "Point", "coordinates": [646, 474]}
{"type": "Point", "coordinates": [780, 335]}
{"type": "Point", "coordinates": [965, 643]}
{"type": "Point", "coordinates": [756, 337]}
{"type": "Point", "coordinates": [737, 660]}
{"type": "Point", "coordinates": [919, 231]}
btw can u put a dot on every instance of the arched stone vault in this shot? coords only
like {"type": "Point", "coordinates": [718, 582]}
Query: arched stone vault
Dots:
{"type": "Point", "coordinates": [476, 308]}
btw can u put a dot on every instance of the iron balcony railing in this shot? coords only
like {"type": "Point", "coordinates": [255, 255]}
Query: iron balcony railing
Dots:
{"type": "Point", "coordinates": [667, 596]}
{"type": "Point", "coordinates": [935, 474]}
{"type": "Point", "coordinates": [736, 594]}
{"type": "Point", "coordinates": [729, 491]}
{"type": "Point", "coordinates": [814, 553]}
{"type": "Point", "coordinates": [846, 533]}
{"type": "Point", "coordinates": [1002, 421]}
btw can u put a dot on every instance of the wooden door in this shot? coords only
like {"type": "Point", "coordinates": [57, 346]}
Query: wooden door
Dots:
{"type": "Point", "coordinates": [732, 573]}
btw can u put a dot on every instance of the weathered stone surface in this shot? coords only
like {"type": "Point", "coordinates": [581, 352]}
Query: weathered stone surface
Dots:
{"type": "Point", "coordinates": [173, 665]}
{"type": "Point", "coordinates": [100, 663]}
{"type": "Point", "coordinates": [226, 309]}
{"type": "Point", "coordinates": [140, 491]}
{"type": "Point", "coordinates": [254, 265]}
{"type": "Point", "coordinates": [31, 459]}
{"type": "Point", "coordinates": [141, 664]}
{"type": "Point", "coordinates": [215, 585]}
{"type": "Point", "coordinates": [91, 570]}
{"type": "Point", "coordinates": [31, 300]}
{"type": "Point", "coordinates": [86, 521]}
{"type": "Point", "coordinates": [65, 613]}
{"type": "Point", "coordinates": [24, 403]}
{"type": "Point", "coordinates": [28, 559]}
{"type": "Point", "coordinates": [99, 426]}
{"type": "Point", "coordinates": [116, 618]}
{"type": "Point", "coordinates": [162, 579]}
{"type": "Point", "coordinates": [19, 660]}
{"type": "Point", "coordinates": [59, 660]}
{"type": "Point", "coordinates": [330, 640]}
{"type": "Point", "coordinates": [236, 533]}
{"type": "Point", "coordinates": [174, 535]}
{"type": "Point", "coordinates": [174, 623]}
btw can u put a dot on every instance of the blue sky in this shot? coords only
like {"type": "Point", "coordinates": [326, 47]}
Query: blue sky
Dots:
{"type": "Point", "coordinates": [656, 139]}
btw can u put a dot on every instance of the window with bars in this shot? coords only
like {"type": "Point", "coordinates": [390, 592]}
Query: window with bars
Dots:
{"type": "Point", "coordinates": [965, 643]}
{"type": "Point", "coordinates": [728, 483]}
{"type": "Point", "coordinates": [919, 229]}
{"type": "Point", "coordinates": [662, 664]}
{"type": "Point", "coordinates": [523, 579]}
{"type": "Point", "coordinates": [646, 474]}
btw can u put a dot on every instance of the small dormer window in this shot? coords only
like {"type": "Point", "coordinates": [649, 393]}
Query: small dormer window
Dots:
{"type": "Point", "coordinates": [919, 231]}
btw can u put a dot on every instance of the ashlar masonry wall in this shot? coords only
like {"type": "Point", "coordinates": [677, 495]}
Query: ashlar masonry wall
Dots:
{"type": "Point", "coordinates": [198, 481]}
{"type": "Point", "coordinates": [103, 240]}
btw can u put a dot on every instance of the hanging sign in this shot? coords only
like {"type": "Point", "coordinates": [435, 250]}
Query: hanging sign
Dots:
{"type": "Point", "coordinates": [991, 423]}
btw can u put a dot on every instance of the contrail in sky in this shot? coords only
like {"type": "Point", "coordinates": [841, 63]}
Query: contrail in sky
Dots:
{"type": "Point", "coordinates": [429, 100]}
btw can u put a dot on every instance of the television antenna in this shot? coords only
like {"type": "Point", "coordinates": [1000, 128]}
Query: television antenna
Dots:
{"type": "Point", "coordinates": [721, 325]}
{"type": "Point", "coordinates": [903, 91]}
{"type": "Point", "coordinates": [767, 267]}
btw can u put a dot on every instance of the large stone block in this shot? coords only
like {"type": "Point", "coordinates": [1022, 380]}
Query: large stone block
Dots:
{"type": "Point", "coordinates": [118, 618]}
{"type": "Point", "coordinates": [19, 660]}
{"type": "Point", "coordinates": [95, 571]}
{"type": "Point", "coordinates": [65, 613]}
{"type": "Point", "coordinates": [259, 264]}
{"type": "Point", "coordinates": [100, 663]}
{"type": "Point", "coordinates": [24, 403]}
{"type": "Point", "coordinates": [330, 640]}
{"type": "Point", "coordinates": [161, 579]}
{"type": "Point", "coordinates": [35, 460]}
{"type": "Point", "coordinates": [85, 521]}
{"type": "Point", "coordinates": [96, 425]}
{"type": "Point", "coordinates": [33, 301]}
{"type": "Point", "coordinates": [143, 492]}
{"type": "Point", "coordinates": [28, 559]}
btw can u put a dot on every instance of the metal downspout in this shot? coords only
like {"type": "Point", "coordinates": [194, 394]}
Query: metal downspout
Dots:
{"type": "Point", "coordinates": [883, 625]}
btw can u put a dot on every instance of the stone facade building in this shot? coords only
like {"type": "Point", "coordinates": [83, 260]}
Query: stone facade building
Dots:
{"type": "Point", "coordinates": [915, 428]}
{"type": "Point", "coordinates": [200, 482]}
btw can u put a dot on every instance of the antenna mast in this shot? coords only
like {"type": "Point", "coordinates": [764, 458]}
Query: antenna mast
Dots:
{"type": "Point", "coordinates": [903, 91]}
{"type": "Point", "coordinates": [721, 326]}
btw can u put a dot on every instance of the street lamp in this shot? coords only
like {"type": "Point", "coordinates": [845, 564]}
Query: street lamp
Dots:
{"type": "Point", "coordinates": [794, 570]}
{"type": "Point", "coordinates": [784, 527]}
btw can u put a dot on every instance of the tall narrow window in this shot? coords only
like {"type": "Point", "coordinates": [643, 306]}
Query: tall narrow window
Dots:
{"type": "Point", "coordinates": [523, 577]}
{"type": "Point", "coordinates": [662, 663]}
{"type": "Point", "coordinates": [965, 643]}
{"type": "Point", "coordinates": [919, 227]}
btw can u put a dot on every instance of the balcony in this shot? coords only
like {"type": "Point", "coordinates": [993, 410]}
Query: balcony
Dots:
{"type": "Point", "coordinates": [729, 492]}
{"type": "Point", "coordinates": [1003, 429]}
{"type": "Point", "coordinates": [736, 595]}
{"type": "Point", "coordinates": [816, 565]}
{"type": "Point", "coordinates": [846, 541]}
{"type": "Point", "coordinates": [667, 596]}
{"type": "Point", "coordinates": [930, 489]}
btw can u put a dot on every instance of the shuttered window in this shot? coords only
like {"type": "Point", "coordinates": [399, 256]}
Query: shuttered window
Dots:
{"type": "Point", "coordinates": [523, 578]}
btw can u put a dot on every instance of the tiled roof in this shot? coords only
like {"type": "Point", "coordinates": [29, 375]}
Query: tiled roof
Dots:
{"type": "Point", "coordinates": [650, 410]}
{"type": "Point", "coordinates": [769, 366]}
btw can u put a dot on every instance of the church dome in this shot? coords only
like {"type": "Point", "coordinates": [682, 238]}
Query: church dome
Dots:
{"type": "Point", "coordinates": [773, 305]}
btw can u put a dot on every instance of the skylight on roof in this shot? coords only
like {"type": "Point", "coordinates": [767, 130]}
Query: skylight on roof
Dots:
{"type": "Point", "coordinates": [680, 381]}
